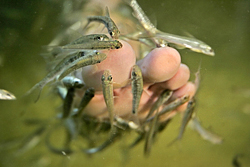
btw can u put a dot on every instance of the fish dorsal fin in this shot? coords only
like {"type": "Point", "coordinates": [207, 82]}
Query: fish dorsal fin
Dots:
{"type": "Point", "coordinates": [188, 34]}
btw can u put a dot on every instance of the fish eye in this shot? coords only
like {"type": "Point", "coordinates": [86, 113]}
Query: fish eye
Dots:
{"type": "Point", "coordinates": [103, 78]}
{"type": "Point", "coordinates": [112, 34]}
{"type": "Point", "coordinates": [82, 53]}
{"type": "Point", "coordinates": [134, 74]}
{"type": "Point", "coordinates": [110, 78]}
{"type": "Point", "coordinates": [99, 38]}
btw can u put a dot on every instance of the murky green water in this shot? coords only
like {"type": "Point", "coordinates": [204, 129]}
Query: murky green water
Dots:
{"type": "Point", "coordinates": [223, 99]}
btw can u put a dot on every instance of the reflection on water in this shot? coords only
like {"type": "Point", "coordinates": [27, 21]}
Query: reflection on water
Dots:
{"type": "Point", "coordinates": [222, 103]}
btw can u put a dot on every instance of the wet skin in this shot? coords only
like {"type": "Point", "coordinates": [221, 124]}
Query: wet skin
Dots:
{"type": "Point", "coordinates": [161, 69]}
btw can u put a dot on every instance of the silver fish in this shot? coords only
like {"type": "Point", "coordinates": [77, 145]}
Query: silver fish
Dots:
{"type": "Point", "coordinates": [6, 95]}
{"type": "Point", "coordinates": [96, 45]}
{"type": "Point", "coordinates": [72, 82]}
{"type": "Point", "coordinates": [151, 134]}
{"type": "Point", "coordinates": [108, 22]}
{"type": "Point", "coordinates": [171, 106]}
{"type": "Point", "coordinates": [89, 38]}
{"type": "Point", "coordinates": [137, 87]}
{"type": "Point", "coordinates": [185, 42]}
{"type": "Point", "coordinates": [205, 134]}
{"type": "Point", "coordinates": [59, 68]}
{"type": "Point", "coordinates": [162, 38]}
{"type": "Point", "coordinates": [88, 95]}
{"type": "Point", "coordinates": [31, 140]}
{"type": "Point", "coordinates": [186, 118]}
{"type": "Point", "coordinates": [61, 151]}
{"type": "Point", "coordinates": [68, 102]}
{"type": "Point", "coordinates": [104, 145]}
{"type": "Point", "coordinates": [164, 97]}
{"type": "Point", "coordinates": [82, 62]}
{"type": "Point", "coordinates": [107, 88]}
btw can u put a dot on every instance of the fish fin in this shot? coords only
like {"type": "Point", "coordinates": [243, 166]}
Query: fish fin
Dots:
{"type": "Point", "coordinates": [35, 87]}
{"type": "Point", "coordinates": [188, 34]}
{"type": "Point", "coordinates": [107, 12]}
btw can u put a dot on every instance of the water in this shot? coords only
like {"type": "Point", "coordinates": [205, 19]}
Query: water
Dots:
{"type": "Point", "coordinates": [223, 99]}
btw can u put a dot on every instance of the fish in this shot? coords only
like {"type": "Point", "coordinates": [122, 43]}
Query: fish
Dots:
{"type": "Point", "coordinates": [68, 101]}
{"type": "Point", "coordinates": [145, 22]}
{"type": "Point", "coordinates": [108, 142]}
{"type": "Point", "coordinates": [31, 140]}
{"type": "Point", "coordinates": [57, 51]}
{"type": "Point", "coordinates": [197, 78]}
{"type": "Point", "coordinates": [6, 95]}
{"type": "Point", "coordinates": [137, 140]}
{"type": "Point", "coordinates": [205, 134]}
{"type": "Point", "coordinates": [153, 129]}
{"type": "Point", "coordinates": [235, 161]}
{"type": "Point", "coordinates": [171, 106]}
{"type": "Point", "coordinates": [88, 95]}
{"type": "Point", "coordinates": [186, 118]}
{"type": "Point", "coordinates": [107, 88]}
{"type": "Point", "coordinates": [185, 42]}
{"type": "Point", "coordinates": [164, 97]}
{"type": "Point", "coordinates": [96, 45]}
{"type": "Point", "coordinates": [71, 81]}
{"type": "Point", "coordinates": [60, 151]}
{"type": "Point", "coordinates": [162, 38]}
{"type": "Point", "coordinates": [137, 87]}
{"type": "Point", "coordinates": [151, 134]}
{"type": "Point", "coordinates": [142, 17]}
{"type": "Point", "coordinates": [89, 38]}
{"type": "Point", "coordinates": [108, 22]}
{"type": "Point", "coordinates": [59, 69]}
{"type": "Point", "coordinates": [82, 62]}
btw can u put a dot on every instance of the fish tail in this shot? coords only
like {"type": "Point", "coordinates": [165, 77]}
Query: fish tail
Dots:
{"type": "Point", "coordinates": [35, 87]}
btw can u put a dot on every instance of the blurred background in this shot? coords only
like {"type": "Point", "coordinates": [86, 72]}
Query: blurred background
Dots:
{"type": "Point", "coordinates": [223, 100]}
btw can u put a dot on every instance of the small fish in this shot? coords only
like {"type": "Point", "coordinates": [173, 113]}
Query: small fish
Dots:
{"type": "Point", "coordinates": [186, 118]}
{"type": "Point", "coordinates": [104, 145]}
{"type": "Point", "coordinates": [60, 151]}
{"type": "Point", "coordinates": [151, 134]}
{"type": "Point", "coordinates": [164, 97]}
{"type": "Point", "coordinates": [6, 95]}
{"type": "Point", "coordinates": [141, 16]}
{"type": "Point", "coordinates": [171, 106]}
{"type": "Point", "coordinates": [137, 140]}
{"type": "Point", "coordinates": [59, 68]}
{"type": "Point", "coordinates": [82, 62]}
{"type": "Point", "coordinates": [89, 38]}
{"type": "Point", "coordinates": [96, 45]}
{"type": "Point", "coordinates": [197, 78]}
{"type": "Point", "coordinates": [137, 87]}
{"type": "Point", "coordinates": [108, 22]}
{"type": "Point", "coordinates": [88, 95]}
{"type": "Point", "coordinates": [72, 82]}
{"type": "Point", "coordinates": [162, 39]}
{"type": "Point", "coordinates": [205, 134]}
{"type": "Point", "coordinates": [185, 42]}
{"type": "Point", "coordinates": [31, 140]}
{"type": "Point", "coordinates": [235, 161]}
{"type": "Point", "coordinates": [68, 102]}
{"type": "Point", "coordinates": [145, 22]}
{"type": "Point", "coordinates": [107, 88]}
